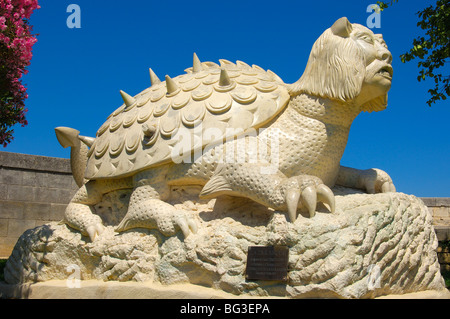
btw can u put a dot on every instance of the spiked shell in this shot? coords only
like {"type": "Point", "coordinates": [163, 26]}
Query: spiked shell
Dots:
{"type": "Point", "coordinates": [142, 132]}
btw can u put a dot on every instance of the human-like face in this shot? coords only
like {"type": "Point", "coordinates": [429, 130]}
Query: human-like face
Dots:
{"type": "Point", "coordinates": [378, 59]}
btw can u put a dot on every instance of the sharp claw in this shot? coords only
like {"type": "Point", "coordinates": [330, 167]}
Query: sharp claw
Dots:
{"type": "Point", "coordinates": [193, 226]}
{"type": "Point", "coordinates": [309, 199]}
{"type": "Point", "coordinates": [392, 187]}
{"type": "Point", "coordinates": [292, 198]}
{"type": "Point", "coordinates": [182, 223]}
{"type": "Point", "coordinates": [370, 188]}
{"type": "Point", "coordinates": [100, 229]}
{"type": "Point", "coordinates": [92, 232]}
{"type": "Point", "coordinates": [388, 187]}
{"type": "Point", "coordinates": [187, 226]}
{"type": "Point", "coordinates": [325, 195]}
{"type": "Point", "coordinates": [385, 188]}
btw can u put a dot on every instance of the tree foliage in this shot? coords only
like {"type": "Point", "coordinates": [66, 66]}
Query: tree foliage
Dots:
{"type": "Point", "coordinates": [16, 42]}
{"type": "Point", "coordinates": [433, 49]}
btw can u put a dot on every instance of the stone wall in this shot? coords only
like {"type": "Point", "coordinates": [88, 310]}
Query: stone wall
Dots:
{"type": "Point", "coordinates": [439, 208]}
{"type": "Point", "coordinates": [33, 191]}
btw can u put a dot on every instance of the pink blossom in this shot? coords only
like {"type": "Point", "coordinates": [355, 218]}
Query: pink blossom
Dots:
{"type": "Point", "coordinates": [16, 42]}
{"type": "Point", "coordinates": [2, 24]}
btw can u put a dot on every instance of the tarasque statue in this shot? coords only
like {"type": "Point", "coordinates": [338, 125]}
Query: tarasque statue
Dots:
{"type": "Point", "coordinates": [250, 161]}
{"type": "Point", "coordinates": [349, 71]}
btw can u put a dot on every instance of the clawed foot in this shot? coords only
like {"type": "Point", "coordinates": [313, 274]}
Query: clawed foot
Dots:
{"type": "Point", "coordinates": [186, 224]}
{"type": "Point", "coordinates": [376, 181]}
{"type": "Point", "coordinates": [156, 214]}
{"type": "Point", "coordinates": [306, 190]}
{"type": "Point", "coordinates": [95, 230]}
{"type": "Point", "coordinates": [80, 217]}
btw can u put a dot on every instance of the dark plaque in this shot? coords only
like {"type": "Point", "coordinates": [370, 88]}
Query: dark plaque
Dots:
{"type": "Point", "coordinates": [267, 263]}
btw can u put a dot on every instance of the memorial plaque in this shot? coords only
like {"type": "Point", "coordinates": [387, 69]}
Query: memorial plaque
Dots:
{"type": "Point", "coordinates": [267, 263]}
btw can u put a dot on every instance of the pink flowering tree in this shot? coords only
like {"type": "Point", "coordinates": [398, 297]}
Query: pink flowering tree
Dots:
{"type": "Point", "coordinates": [16, 42]}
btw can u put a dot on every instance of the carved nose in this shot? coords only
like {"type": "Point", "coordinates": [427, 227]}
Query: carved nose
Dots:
{"type": "Point", "coordinates": [385, 55]}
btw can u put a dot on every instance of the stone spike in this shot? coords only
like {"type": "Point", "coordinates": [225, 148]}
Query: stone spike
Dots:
{"type": "Point", "coordinates": [89, 141]}
{"type": "Point", "coordinates": [67, 136]}
{"type": "Point", "coordinates": [197, 66]}
{"type": "Point", "coordinates": [171, 85]}
{"type": "Point", "coordinates": [153, 78]}
{"type": "Point", "coordinates": [224, 78]}
{"type": "Point", "coordinates": [129, 100]}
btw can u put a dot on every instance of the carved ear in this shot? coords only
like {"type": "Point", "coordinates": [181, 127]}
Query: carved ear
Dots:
{"type": "Point", "coordinates": [342, 28]}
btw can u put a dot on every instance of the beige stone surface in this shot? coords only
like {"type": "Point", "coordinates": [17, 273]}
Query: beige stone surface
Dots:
{"type": "Point", "coordinates": [444, 294]}
{"type": "Point", "coordinates": [330, 255]}
{"type": "Point", "coordinates": [93, 289]}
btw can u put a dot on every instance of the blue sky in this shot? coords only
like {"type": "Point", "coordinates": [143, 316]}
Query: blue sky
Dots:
{"type": "Point", "coordinates": [76, 74]}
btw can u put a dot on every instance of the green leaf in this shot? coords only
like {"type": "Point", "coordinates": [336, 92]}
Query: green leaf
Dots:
{"type": "Point", "coordinates": [433, 49]}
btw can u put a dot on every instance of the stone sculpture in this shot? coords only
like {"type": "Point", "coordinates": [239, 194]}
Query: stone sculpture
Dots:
{"type": "Point", "coordinates": [258, 152]}
{"type": "Point", "coordinates": [210, 109]}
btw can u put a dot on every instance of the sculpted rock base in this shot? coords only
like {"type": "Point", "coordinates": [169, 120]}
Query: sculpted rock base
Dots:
{"type": "Point", "coordinates": [374, 245]}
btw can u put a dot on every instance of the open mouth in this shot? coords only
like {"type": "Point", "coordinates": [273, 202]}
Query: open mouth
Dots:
{"type": "Point", "coordinates": [386, 72]}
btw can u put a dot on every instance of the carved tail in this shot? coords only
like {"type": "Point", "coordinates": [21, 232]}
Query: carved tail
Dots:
{"type": "Point", "coordinates": [69, 137]}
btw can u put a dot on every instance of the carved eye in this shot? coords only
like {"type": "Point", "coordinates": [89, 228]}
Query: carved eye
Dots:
{"type": "Point", "coordinates": [366, 38]}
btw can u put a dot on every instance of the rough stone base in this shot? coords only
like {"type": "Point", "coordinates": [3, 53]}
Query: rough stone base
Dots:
{"type": "Point", "coordinates": [94, 289]}
{"type": "Point", "coordinates": [374, 245]}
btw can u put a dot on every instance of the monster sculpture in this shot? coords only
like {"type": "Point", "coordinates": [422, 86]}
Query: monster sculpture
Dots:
{"type": "Point", "coordinates": [185, 177]}
{"type": "Point", "coordinates": [187, 130]}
